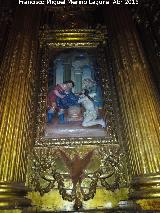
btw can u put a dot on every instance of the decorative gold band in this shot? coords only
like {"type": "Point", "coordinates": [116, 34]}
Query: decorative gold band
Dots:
{"type": "Point", "coordinates": [13, 195]}
{"type": "Point", "coordinates": [147, 186]}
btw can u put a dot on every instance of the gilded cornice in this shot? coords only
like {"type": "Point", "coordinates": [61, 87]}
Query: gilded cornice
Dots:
{"type": "Point", "coordinates": [73, 37]}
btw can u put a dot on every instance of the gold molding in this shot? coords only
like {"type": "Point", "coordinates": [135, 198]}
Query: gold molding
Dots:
{"type": "Point", "coordinates": [146, 186]}
{"type": "Point", "coordinates": [13, 195]}
{"type": "Point", "coordinates": [73, 38]}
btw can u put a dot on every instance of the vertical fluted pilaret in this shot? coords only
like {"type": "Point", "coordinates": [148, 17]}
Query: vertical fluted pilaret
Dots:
{"type": "Point", "coordinates": [18, 75]}
{"type": "Point", "coordinates": [139, 101]}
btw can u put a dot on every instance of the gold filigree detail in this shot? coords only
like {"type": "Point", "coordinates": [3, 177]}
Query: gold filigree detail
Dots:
{"type": "Point", "coordinates": [45, 174]}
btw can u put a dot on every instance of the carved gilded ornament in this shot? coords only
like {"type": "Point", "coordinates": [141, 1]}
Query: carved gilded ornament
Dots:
{"type": "Point", "coordinates": [60, 162]}
{"type": "Point", "coordinates": [71, 170]}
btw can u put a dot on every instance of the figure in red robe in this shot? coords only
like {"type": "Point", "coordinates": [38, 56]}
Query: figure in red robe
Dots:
{"type": "Point", "coordinates": [60, 98]}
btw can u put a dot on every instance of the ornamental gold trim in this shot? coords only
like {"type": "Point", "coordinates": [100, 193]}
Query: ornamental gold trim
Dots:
{"type": "Point", "coordinates": [146, 186]}
{"type": "Point", "coordinates": [72, 38]}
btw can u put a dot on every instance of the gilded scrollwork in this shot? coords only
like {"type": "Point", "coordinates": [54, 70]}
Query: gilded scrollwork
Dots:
{"type": "Point", "coordinates": [79, 179]}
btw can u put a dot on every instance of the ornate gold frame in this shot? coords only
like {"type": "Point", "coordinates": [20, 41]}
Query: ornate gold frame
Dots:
{"type": "Point", "coordinates": [109, 174]}
{"type": "Point", "coordinates": [73, 38]}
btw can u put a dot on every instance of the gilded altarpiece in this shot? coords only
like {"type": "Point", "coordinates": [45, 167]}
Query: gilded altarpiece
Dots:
{"type": "Point", "coordinates": [71, 173]}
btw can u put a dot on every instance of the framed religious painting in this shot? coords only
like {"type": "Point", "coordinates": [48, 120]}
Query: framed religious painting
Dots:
{"type": "Point", "coordinates": [74, 95]}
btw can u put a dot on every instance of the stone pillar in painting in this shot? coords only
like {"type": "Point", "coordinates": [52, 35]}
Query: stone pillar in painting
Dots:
{"type": "Point", "coordinates": [18, 80]}
{"type": "Point", "coordinates": [77, 73]}
{"type": "Point", "coordinates": [139, 104]}
{"type": "Point", "coordinates": [59, 70]}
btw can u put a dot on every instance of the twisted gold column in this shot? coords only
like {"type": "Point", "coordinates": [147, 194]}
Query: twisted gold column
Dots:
{"type": "Point", "coordinates": [139, 105]}
{"type": "Point", "coordinates": [17, 106]}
